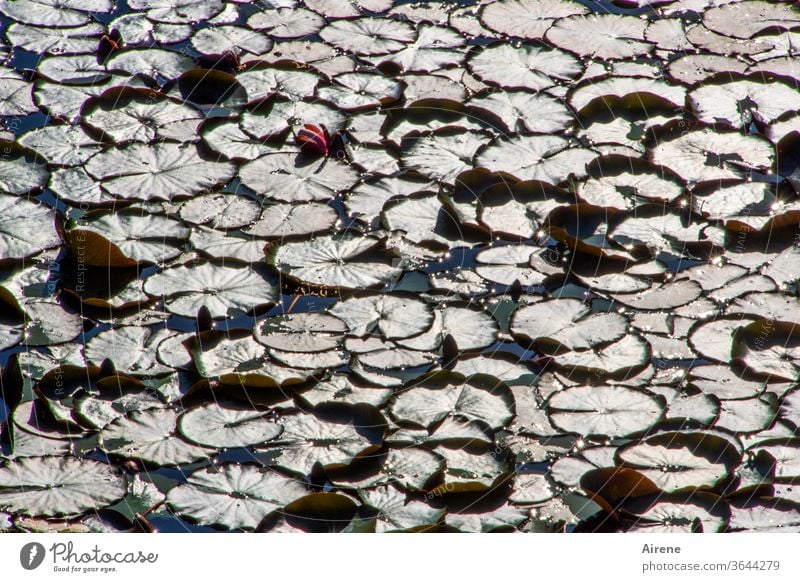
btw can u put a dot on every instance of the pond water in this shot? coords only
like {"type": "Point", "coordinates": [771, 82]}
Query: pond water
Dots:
{"type": "Point", "coordinates": [376, 265]}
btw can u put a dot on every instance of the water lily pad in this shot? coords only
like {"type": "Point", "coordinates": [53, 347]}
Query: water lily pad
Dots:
{"type": "Point", "coordinates": [527, 18]}
{"type": "Point", "coordinates": [527, 67]}
{"type": "Point", "coordinates": [330, 261]}
{"type": "Point", "coordinates": [425, 406]}
{"type": "Point", "coordinates": [53, 486]}
{"type": "Point", "coordinates": [612, 411]}
{"type": "Point", "coordinates": [225, 425]}
{"type": "Point", "coordinates": [26, 227]}
{"type": "Point", "coordinates": [159, 171]}
{"type": "Point", "coordinates": [150, 436]}
{"type": "Point", "coordinates": [568, 323]}
{"type": "Point", "coordinates": [368, 36]}
{"type": "Point", "coordinates": [603, 36]}
{"type": "Point", "coordinates": [234, 495]}
{"type": "Point", "coordinates": [224, 290]}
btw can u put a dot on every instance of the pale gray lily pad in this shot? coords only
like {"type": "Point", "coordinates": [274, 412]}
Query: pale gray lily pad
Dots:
{"type": "Point", "coordinates": [139, 235]}
{"type": "Point", "coordinates": [137, 29]}
{"type": "Point", "coordinates": [503, 519]}
{"type": "Point", "coordinates": [225, 290]}
{"type": "Point", "coordinates": [293, 83]}
{"type": "Point", "coordinates": [674, 468]}
{"type": "Point", "coordinates": [288, 220]}
{"type": "Point", "coordinates": [425, 406]}
{"type": "Point", "coordinates": [284, 115]}
{"type": "Point", "coordinates": [368, 36]}
{"type": "Point", "coordinates": [228, 139]}
{"type": "Point", "coordinates": [525, 111]}
{"type": "Point", "coordinates": [602, 36]}
{"type": "Point", "coordinates": [143, 117]}
{"type": "Point", "coordinates": [702, 155]}
{"type": "Point", "coordinates": [47, 322]}
{"type": "Point", "coordinates": [234, 495]}
{"type": "Point", "coordinates": [220, 210]}
{"type": "Point", "coordinates": [740, 102]}
{"type": "Point", "coordinates": [301, 332]}
{"type": "Point", "coordinates": [396, 512]}
{"type": "Point", "coordinates": [287, 22]}
{"type": "Point", "coordinates": [347, 8]}
{"type": "Point", "coordinates": [223, 425]}
{"type": "Point", "coordinates": [395, 317]}
{"type": "Point", "coordinates": [527, 18]}
{"type": "Point", "coordinates": [358, 91]}
{"type": "Point", "coordinates": [622, 87]}
{"type": "Point", "coordinates": [471, 329]}
{"type": "Point", "coordinates": [21, 171]}
{"type": "Point", "coordinates": [281, 176]}
{"type": "Point", "coordinates": [470, 469]}
{"type": "Point", "coordinates": [307, 440]}
{"type": "Point", "coordinates": [220, 245]}
{"type": "Point", "coordinates": [342, 388]}
{"type": "Point", "coordinates": [378, 354]}
{"type": "Point", "coordinates": [527, 67]}
{"type": "Point", "coordinates": [629, 353]}
{"type": "Point", "coordinates": [159, 64]}
{"type": "Point", "coordinates": [569, 323]}
{"type": "Point", "coordinates": [547, 158]}
{"type": "Point", "coordinates": [57, 486]}
{"type": "Point", "coordinates": [442, 156]}
{"type": "Point", "coordinates": [150, 436]}
{"type": "Point", "coordinates": [220, 39]}
{"type": "Point", "coordinates": [15, 93]}
{"type": "Point", "coordinates": [243, 357]}
{"type": "Point", "coordinates": [760, 16]}
{"type": "Point", "coordinates": [26, 227]}
{"type": "Point", "coordinates": [53, 13]}
{"type": "Point", "coordinates": [612, 411]}
{"type": "Point", "coordinates": [131, 348]}
{"type": "Point", "coordinates": [73, 70]}
{"type": "Point", "coordinates": [178, 11]}
{"type": "Point", "coordinates": [366, 200]}
{"type": "Point", "coordinates": [158, 171]}
{"type": "Point", "coordinates": [435, 48]}
{"type": "Point", "coordinates": [61, 145]}
{"type": "Point", "coordinates": [330, 261]}
{"type": "Point", "coordinates": [99, 411]}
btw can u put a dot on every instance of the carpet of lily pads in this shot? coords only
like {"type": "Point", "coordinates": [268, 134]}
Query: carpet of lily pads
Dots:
{"type": "Point", "coordinates": [377, 265]}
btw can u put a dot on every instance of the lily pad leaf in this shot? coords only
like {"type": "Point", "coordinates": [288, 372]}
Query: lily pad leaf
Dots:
{"type": "Point", "coordinates": [395, 512]}
{"type": "Point", "coordinates": [426, 405]}
{"type": "Point", "coordinates": [368, 36]}
{"type": "Point", "coordinates": [702, 155]}
{"type": "Point", "coordinates": [225, 425]}
{"type": "Point", "coordinates": [26, 227]}
{"type": "Point", "coordinates": [603, 36]}
{"type": "Point", "coordinates": [57, 486]}
{"type": "Point", "coordinates": [339, 262]}
{"type": "Point", "coordinates": [527, 67]}
{"type": "Point", "coordinates": [285, 177]}
{"type": "Point", "coordinates": [569, 323]}
{"type": "Point", "coordinates": [527, 18]}
{"type": "Point", "coordinates": [612, 411]}
{"type": "Point", "coordinates": [159, 171]}
{"type": "Point", "coordinates": [676, 461]}
{"type": "Point", "coordinates": [394, 316]}
{"type": "Point", "coordinates": [233, 495]}
{"type": "Point", "coordinates": [547, 158]}
{"type": "Point", "coordinates": [150, 436]}
{"type": "Point", "coordinates": [308, 440]}
{"type": "Point", "coordinates": [225, 290]}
